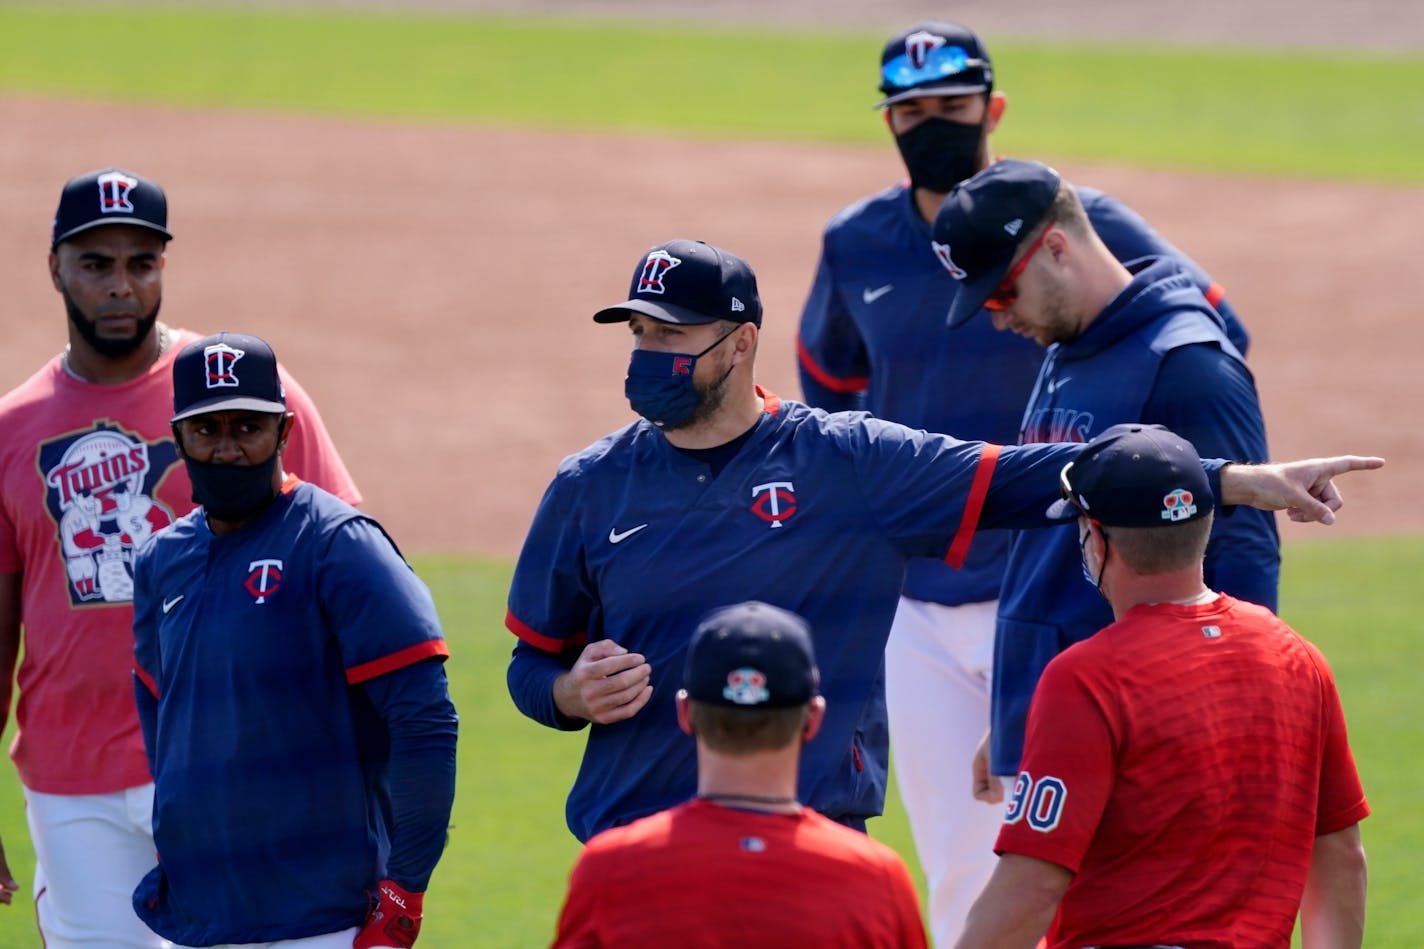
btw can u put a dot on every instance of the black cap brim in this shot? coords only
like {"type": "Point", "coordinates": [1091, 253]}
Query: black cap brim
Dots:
{"type": "Point", "coordinates": [126, 222]}
{"type": "Point", "coordinates": [227, 404]}
{"type": "Point", "coordinates": [667, 312]}
{"type": "Point", "coordinates": [939, 89]}
{"type": "Point", "coordinates": [972, 294]}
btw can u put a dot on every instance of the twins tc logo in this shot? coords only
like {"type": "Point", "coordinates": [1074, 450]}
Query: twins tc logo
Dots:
{"type": "Point", "coordinates": [746, 686]}
{"type": "Point", "coordinates": [1178, 505]}
{"type": "Point", "coordinates": [774, 501]}
{"type": "Point", "coordinates": [655, 268]}
{"type": "Point", "coordinates": [919, 45]}
{"type": "Point", "coordinates": [114, 188]}
{"type": "Point", "coordinates": [220, 359]}
{"type": "Point", "coordinates": [942, 252]}
{"type": "Point", "coordinates": [264, 578]}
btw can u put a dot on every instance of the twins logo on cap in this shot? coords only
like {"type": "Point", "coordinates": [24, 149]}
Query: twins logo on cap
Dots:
{"type": "Point", "coordinates": [746, 686]}
{"type": "Point", "coordinates": [659, 262]}
{"type": "Point", "coordinates": [918, 47]}
{"type": "Point", "coordinates": [942, 252]}
{"type": "Point", "coordinates": [114, 188]}
{"type": "Point", "coordinates": [1178, 505]}
{"type": "Point", "coordinates": [221, 359]}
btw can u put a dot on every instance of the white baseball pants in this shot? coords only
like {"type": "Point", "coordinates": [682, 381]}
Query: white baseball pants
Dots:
{"type": "Point", "coordinates": [91, 851]}
{"type": "Point", "coordinates": [938, 666]}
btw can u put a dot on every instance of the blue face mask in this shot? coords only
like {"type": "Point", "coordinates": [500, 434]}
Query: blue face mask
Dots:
{"type": "Point", "coordinates": [1097, 581]}
{"type": "Point", "coordinates": [659, 385]}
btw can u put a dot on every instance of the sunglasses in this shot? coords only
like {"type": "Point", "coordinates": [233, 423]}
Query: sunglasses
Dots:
{"type": "Point", "coordinates": [1007, 291]}
{"type": "Point", "coordinates": [902, 73]}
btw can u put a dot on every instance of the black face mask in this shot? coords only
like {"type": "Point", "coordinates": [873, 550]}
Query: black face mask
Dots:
{"type": "Point", "coordinates": [939, 154]}
{"type": "Point", "coordinates": [232, 492]}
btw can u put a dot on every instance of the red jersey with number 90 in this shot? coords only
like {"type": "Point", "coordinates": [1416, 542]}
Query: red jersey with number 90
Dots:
{"type": "Point", "coordinates": [1181, 763]}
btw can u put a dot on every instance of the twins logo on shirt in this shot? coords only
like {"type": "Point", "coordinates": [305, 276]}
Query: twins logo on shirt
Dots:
{"type": "Point", "coordinates": [774, 502]}
{"type": "Point", "coordinates": [264, 578]}
{"type": "Point", "coordinates": [1057, 426]}
{"type": "Point", "coordinates": [99, 487]}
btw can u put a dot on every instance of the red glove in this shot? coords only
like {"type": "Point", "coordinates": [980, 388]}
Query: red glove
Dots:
{"type": "Point", "coordinates": [395, 921]}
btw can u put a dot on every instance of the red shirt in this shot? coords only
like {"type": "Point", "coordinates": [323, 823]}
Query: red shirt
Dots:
{"type": "Point", "coordinates": [703, 875]}
{"type": "Point", "coordinates": [1181, 763]}
{"type": "Point", "coordinates": [88, 473]}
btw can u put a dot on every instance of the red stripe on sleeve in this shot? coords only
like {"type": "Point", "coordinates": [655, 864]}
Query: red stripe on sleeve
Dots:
{"type": "Point", "coordinates": [539, 640]}
{"type": "Point", "coordinates": [147, 681]}
{"type": "Point", "coordinates": [1215, 293]}
{"type": "Point", "coordinates": [396, 660]}
{"type": "Point", "coordinates": [973, 507]}
{"type": "Point", "coordinates": [834, 383]}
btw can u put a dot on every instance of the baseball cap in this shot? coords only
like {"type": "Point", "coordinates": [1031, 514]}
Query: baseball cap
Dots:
{"type": "Point", "coordinates": [981, 222]}
{"type": "Point", "coordinates": [689, 282]}
{"type": "Point", "coordinates": [749, 655]}
{"type": "Point", "coordinates": [934, 58]}
{"type": "Point", "coordinates": [109, 196]}
{"type": "Point", "coordinates": [226, 371]}
{"type": "Point", "coordinates": [1135, 475]}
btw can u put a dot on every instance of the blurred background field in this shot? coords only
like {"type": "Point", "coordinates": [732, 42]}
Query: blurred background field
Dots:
{"type": "Point", "coordinates": [1305, 115]}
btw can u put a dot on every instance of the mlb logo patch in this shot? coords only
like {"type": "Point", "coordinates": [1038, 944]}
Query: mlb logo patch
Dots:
{"type": "Point", "coordinates": [1211, 632]}
{"type": "Point", "coordinates": [1178, 506]}
{"type": "Point", "coordinates": [746, 686]}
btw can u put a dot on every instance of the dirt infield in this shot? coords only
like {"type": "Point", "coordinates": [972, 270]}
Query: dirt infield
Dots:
{"type": "Point", "coordinates": [432, 285]}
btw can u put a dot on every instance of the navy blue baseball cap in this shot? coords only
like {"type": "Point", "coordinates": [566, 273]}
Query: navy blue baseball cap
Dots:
{"type": "Point", "coordinates": [752, 655]}
{"type": "Point", "coordinates": [934, 58]}
{"type": "Point", "coordinates": [689, 282]}
{"type": "Point", "coordinates": [109, 196]}
{"type": "Point", "coordinates": [225, 372]}
{"type": "Point", "coordinates": [1135, 475]}
{"type": "Point", "coordinates": [981, 223]}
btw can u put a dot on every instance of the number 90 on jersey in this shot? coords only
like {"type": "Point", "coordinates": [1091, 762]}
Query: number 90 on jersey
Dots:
{"type": "Point", "coordinates": [1037, 801]}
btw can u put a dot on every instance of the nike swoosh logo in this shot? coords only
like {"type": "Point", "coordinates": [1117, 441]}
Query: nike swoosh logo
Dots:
{"type": "Point", "coordinates": [870, 296]}
{"type": "Point", "coordinates": [617, 537]}
{"type": "Point", "coordinates": [169, 604]}
{"type": "Point", "coordinates": [1057, 384]}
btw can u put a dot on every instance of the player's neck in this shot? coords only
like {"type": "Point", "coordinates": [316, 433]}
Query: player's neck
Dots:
{"type": "Point", "coordinates": [1125, 589]}
{"type": "Point", "coordinates": [83, 362]}
{"type": "Point", "coordinates": [762, 781]}
{"type": "Point", "coordinates": [927, 203]}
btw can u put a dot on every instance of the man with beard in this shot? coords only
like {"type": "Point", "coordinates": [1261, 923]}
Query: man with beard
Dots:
{"type": "Point", "coordinates": [88, 471]}
{"type": "Point", "coordinates": [872, 337]}
{"type": "Point", "coordinates": [722, 492]}
{"type": "Point", "coordinates": [290, 681]}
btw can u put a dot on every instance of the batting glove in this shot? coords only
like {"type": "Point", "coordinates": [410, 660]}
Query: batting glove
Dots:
{"type": "Point", "coordinates": [395, 921]}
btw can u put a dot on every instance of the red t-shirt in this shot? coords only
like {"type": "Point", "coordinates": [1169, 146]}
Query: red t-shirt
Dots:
{"type": "Point", "coordinates": [87, 473]}
{"type": "Point", "coordinates": [1181, 763]}
{"type": "Point", "coordinates": [703, 875]}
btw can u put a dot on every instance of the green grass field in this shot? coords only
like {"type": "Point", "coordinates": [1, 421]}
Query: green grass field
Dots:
{"type": "Point", "coordinates": [1314, 115]}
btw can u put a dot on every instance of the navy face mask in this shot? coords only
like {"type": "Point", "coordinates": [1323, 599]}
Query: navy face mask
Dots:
{"type": "Point", "coordinates": [659, 385]}
{"type": "Point", "coordinates": [939, 154]}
